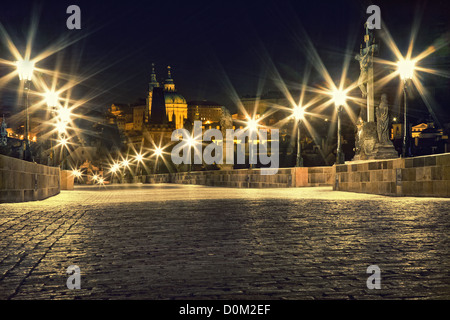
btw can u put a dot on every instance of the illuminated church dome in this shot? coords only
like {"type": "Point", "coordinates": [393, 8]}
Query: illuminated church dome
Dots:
{"type": "Point", "coordinates": [176, 105]}
{"type": "Point", "coordinates": [174, 98]}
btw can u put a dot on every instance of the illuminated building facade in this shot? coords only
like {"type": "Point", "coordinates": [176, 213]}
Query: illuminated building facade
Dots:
{"type": "Point", "coordinates": [205, 111]}
{"type": "Point", "coordinates": [176, 105]}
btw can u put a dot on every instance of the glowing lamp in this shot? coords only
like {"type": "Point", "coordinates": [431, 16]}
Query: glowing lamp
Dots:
{"type": "Point", "coordinates": [64, 114]}
{"type": "Point", "coordinates": [51, 98]}
{"type": "Point", "coordinates": [406, 69]}
{"type": "Point", "coordinates": [63, 141]}
{"type": "Point", "coordinates": [298, 113]}
{"type": "Point", "coordinates": [252, 124]}
{"type": "Point", "coordinates": [339, 98]}
{"type": "Point", "coordinates": [139, 157]}
{"type": "Point", "coordinates": [25, 69]}
{"type": "Point", "coordinates": [158, 150]}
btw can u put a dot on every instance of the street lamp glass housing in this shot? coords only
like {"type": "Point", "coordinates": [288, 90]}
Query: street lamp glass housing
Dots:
{"type": "Point", "coordinates": [61, 127]}
{"type": "Point", "coordinates": [25, 69]}
{"type": "Point", "coordinates": [76, 173]}
{"type": "Point", "coordinates": [51, 98]}
{"type": "Point", "coordinates": [298, 113]}
{"type": "Point", "coordinates": [63, 141]}
{"type": "Point", "coordinates": [158, 151]}
{"type": "Point", "coordinates": [139, 157]}
{"type": "Point", "coordinates": [64, 114]}
{"type": "Point", "coordinates": [252, 124]}
{"type": "Point", "coordinates": [115, 167]}
{"type": "Point", "coordinates": [406, 69]}
{"type": "Point", "coordinates": [339, 98]}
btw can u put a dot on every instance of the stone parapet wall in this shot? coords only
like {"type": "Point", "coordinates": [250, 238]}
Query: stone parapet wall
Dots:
{"type": "Point", "coordinates": [320, 176]}
{"type": "Point", "coordinates": [246, 178]}
{"type": "Point", "coordinates": [25, 181]}
{"type": "Point", "coordinates": [67, 180]}
{"type": "Point", "coordinates": [419, 176]}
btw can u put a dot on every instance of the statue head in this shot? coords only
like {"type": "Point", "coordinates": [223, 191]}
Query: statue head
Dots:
{"type": "Point", "coordinates": [384, 97]}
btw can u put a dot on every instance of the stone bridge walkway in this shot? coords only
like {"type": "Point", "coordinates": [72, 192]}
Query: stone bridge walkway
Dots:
{"type": "Point", "coordinates": [193, 242]}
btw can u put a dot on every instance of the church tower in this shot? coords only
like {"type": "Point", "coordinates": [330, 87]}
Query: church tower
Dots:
{"type": "Point", "coordinates": [153, 84]}
{"type": "Point", "coordinates": [176, 104]}
{"type": "Point", "coordinates": [169, 85]}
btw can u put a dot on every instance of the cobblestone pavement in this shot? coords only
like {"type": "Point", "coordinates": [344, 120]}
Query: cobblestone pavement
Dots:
{"type": "Point", "coordinates": [194, 242]}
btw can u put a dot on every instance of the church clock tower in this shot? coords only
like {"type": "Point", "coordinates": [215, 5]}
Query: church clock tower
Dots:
{"type": "Point", "coordinates": [153, 84]}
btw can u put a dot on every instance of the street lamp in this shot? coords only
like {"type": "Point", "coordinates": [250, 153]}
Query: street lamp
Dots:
{"type": "Point", "coordinates": [299, 113]}
{"type": "Point", "coordinates": [139, 159]}
{"type": "Point", "coordinates": [114, 168]}
{"type": "Point", "coordinates": [51, 98]}
{"type": "Point", "coordinates": [63, 142]}
{"type": "Point", "coordinates": [339, 98]}
{"type": "Point", "coordinates": [25, 70]}
{"type": "Point", "coordinates": [158, 153]}
{"type": "Point", "coordinates": [64, 114]}
{"type": "Point", "coordinates": [406, 72]}
{"type": "Point", "coordinates": [77, 174]}
{"type": "Point", "coordinates": [252, 126]}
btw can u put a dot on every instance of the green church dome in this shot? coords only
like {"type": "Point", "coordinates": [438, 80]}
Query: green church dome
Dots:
{"type": "Point", "coordinates": [174, 98]}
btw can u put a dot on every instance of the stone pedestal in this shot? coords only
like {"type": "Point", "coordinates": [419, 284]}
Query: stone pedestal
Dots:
{"type": "Point", "coordinates": [367, 140]}
{"type": "Point", "coordinates": [384, 151]}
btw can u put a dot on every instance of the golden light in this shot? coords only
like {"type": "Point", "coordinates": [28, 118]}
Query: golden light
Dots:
{"type": "Point", "coordinates": [252, 124]}
{"type": "Point", "coordinates": [76, 173]}
{"type": "Point", "coordinates": [125, 163]}
{"type": "Point", "coordinates": [25, 69]}
{"type": "Point", "coordinates": [63, 141]}
{"type": "Point", "coordinates": [190, 141]}
{"type": "Point", "coordinates": [61, 127]}
{"type": "Point", "coordinates": [298, 112]}
{"type": "Point", "coordinates": [339, 97]}
{"type": "Point", "coordinates": [158, 151]}
{"type": "Point", "coordinates": [115, 167]}
{"type": "Point", "coordinates": [139, 158]}
{"type": "Point", "coordinates": [95, 177]}
{"type": "Point", "coordinates": [51, 98]}
{"type": "Point", "coordinates": [101, 181]}
{"type": "Point", "coordinates": [64, 114]}
{"type": "Point", "coordinates": [406, 69]}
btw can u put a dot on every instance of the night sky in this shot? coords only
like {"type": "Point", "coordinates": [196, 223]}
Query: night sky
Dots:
{"type": "Point", "coordinates": [212, 46]}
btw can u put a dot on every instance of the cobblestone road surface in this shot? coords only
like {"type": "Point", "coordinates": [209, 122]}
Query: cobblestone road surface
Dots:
{"type": "Point", "coordinates": [194, 242]}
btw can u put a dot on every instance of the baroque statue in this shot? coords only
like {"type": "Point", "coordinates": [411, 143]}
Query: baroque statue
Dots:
{"type": "Point", "coordinates": [363, 59]}
{"type": "Point", "coordinates": [383, 121]}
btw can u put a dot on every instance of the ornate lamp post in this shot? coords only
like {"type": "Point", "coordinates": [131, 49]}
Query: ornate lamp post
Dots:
{"type": "Point", "coordinates": [158, 153]}
{"type": "Point", "coordinates": [25, 70]}
{"type": "Point", "coordinates": [51, 98]}
{"type": "Point", "coordinates": [406, 71]}
{"type": "Point", "coordinates": [299, 114]}
{"type": "Point", "coordinates": [252, 126]}
{"type": "Point", "coordinates": [139, 159]}
{"type": "Point", "coordinates": [63, 142]}
{"type": "Point", "coordinates": [339, 98]}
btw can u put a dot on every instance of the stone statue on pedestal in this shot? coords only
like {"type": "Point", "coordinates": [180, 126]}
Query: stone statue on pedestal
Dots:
{"type": "Point", "coordinates": [383, 121]}
{"type": "Point", "coordinates": [363, 59]}
{"type": "Point", "coordinates": [384, 148]}
{"type": "Point", "coordinates": [372, 138]}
